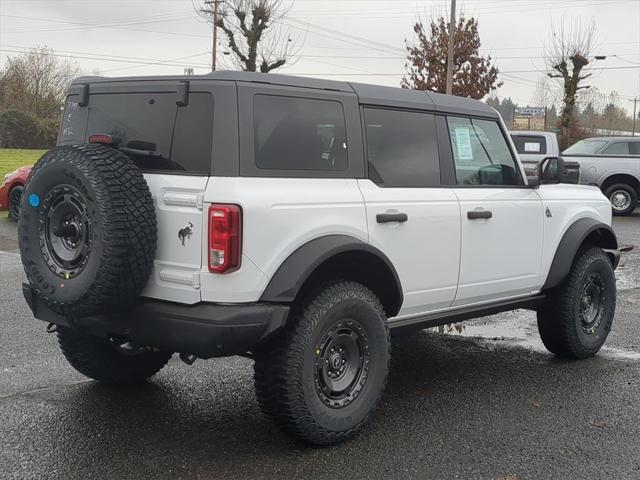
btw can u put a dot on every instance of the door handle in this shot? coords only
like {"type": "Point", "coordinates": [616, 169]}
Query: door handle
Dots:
{"type": "Point", "coordinates": [476, 214]}
{"type": "Point", "coordinates": [391, 217]}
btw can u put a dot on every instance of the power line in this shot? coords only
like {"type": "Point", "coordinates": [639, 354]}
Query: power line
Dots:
{"type": "Point", "coordinates": [120, 60]}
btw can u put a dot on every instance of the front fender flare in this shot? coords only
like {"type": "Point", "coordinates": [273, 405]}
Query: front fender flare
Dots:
{"type": "Point", "coordinates": [570, 244]}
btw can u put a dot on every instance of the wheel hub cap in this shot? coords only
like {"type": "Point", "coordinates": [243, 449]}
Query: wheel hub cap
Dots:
{"type": "Point", "coordinates": [342, 363]}
{"type": "Point", "coordinates": [620, 200]}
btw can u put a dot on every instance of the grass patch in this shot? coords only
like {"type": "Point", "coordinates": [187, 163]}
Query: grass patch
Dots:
{"type": "Point", "coordinates": [10, 159]}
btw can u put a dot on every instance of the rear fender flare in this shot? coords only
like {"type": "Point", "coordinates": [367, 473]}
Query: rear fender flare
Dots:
{"type": "Point", "coordinates": [290, 277]}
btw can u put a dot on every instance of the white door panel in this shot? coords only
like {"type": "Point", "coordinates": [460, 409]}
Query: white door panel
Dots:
{"type": "Point", "coordinates": [501, 255]}
{"type": "Point", "coordinates": [425, 249]}
{"type": "Point", "coordinates": [179, 209]}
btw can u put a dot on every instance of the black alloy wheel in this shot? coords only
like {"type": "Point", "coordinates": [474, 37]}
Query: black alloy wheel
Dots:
{"type": "Point", "coordinates": [342, 363]}
{"type": "Point", "coordinates": [65, 234]}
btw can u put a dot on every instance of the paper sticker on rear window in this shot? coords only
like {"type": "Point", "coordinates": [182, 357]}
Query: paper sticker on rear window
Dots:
{"type": "Point", "coordinates": [532, 147]}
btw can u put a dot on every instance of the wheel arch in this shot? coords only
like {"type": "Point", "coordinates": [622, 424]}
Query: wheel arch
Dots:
{"type": "Point", "coordinates": [583, 232]}
{"type": "Point", "coordinates": [626, 178]}
{"type": "Point", "coordinates": [336, 256]}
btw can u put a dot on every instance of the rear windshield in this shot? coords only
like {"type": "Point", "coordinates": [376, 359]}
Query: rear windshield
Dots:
{"type": "Point", "coordinates": [530, 144]}
{"type": "Point", "coordinates": [585, 147]}
{"type": "Point", "coordinates": [156, 133]}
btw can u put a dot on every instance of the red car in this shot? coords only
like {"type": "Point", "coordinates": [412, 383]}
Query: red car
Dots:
{"type": "Point", "coordinates": [11, 191]}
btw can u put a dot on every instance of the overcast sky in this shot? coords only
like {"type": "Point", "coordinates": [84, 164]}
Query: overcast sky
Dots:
{"type": "Point", "coordinates": [358, 40]}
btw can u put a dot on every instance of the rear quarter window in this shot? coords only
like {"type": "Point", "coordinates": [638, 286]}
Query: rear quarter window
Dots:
{"type": "Point", "coordinates": [294, 133]}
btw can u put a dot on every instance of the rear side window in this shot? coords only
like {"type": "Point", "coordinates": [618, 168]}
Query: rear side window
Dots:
{"type": "Point", "coordinates": [480, 153]}
{"type": "Point", "coordinates": [530, 144]}
{"type": "Point", "coordinates": [618, 148]}
{"type": "Point", "coordinates": [402, 149]}
{"type": "Point", "coordinates": [292, 133]}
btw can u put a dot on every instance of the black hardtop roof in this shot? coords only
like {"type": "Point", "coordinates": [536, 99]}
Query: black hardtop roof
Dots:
{"type": "Point", "coordinates": [368, 94]}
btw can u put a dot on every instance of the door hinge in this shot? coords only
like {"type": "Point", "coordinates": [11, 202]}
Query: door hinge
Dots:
{"type": "Point", "coordinates": [196, 280]}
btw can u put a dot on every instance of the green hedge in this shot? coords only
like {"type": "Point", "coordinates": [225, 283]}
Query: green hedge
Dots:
{"type": "Point", "coordinates": [20, 129]}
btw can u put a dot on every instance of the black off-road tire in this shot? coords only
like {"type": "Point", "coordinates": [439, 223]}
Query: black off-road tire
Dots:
{"type": "Point", "coordinates": [112, 237]}
{"type": "Point", "coordinates": [626, 190]}
{"type": "Point", "coordinates": [99, 359]}
{"type": "Point", "coordinates": [15, 197]}
{"type": "Point", "coordinates": [561, 321]}
{"type": "Point", "coordinates": [290, 370]}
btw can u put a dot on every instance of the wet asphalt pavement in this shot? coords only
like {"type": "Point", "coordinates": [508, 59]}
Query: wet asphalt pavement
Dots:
{"type": "Point", "coordinates": [484, 401]}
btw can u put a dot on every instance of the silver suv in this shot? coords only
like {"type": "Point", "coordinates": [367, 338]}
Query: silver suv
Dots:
{"type": "Point", "coordinates": [612, 163]}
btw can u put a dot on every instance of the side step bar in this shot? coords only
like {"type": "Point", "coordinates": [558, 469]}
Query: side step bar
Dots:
{"type": "Point", "coordinates": [467, 313]}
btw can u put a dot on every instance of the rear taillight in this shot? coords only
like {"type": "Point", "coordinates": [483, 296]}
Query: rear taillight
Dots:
{"type": "Point", "coordinates": [225, 237]}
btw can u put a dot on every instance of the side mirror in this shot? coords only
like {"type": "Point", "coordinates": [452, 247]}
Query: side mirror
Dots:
{"type": "Point", "coordinates": [551, 170]}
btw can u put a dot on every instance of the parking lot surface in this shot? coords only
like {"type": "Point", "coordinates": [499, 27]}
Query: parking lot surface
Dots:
{"type": "Point", "coordinates": [481, 400]}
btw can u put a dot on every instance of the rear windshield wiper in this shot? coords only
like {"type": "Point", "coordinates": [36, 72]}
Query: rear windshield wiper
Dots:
{"type": "Point", "coordinates": [142, 148]}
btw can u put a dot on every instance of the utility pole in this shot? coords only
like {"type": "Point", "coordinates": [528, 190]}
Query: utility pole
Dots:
{"type": "Point", "coordinates": [452, 30]}
{"type": "Point", "coordinates": [213, 11]}
{"type": "Point", "coordinates": [635, 101]}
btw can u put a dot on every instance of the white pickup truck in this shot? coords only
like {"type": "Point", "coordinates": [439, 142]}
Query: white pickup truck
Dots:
{"type": "Point", "coordinates": [533, 146]}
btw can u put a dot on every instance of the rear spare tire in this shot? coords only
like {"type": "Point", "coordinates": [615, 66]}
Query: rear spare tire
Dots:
{"type": "Point", "coordinates": [87, 230]}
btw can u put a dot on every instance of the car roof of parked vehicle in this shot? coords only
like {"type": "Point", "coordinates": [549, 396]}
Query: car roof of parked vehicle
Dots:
{"type": "Point", "coordinates": [618, 138]}
{"type": "Point", "coordinates": [367, 94]}
{"type": "Point", "coordinates": [530, 132]}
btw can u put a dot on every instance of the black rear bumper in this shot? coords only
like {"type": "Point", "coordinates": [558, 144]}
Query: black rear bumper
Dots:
{"type": "Point", "coordinates": [205, 329]}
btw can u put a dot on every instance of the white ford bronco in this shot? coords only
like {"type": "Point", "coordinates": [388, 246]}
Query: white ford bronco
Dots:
{"type": "Point", "coordinates": [297, 222]}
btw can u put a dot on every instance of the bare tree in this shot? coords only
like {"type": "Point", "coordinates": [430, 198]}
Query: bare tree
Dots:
{"type": "Point", "coordinates": [544, 95]}
{"type": "Point", "coordinates": [567, 54]}
{"type": "Point", "coordinates": [36, 82]}
{"type": "Point", "coordinates": [254, 33]}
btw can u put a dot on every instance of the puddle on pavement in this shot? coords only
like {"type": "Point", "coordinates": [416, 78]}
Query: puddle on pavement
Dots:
{"type": "Point", "coordinates": [518, 328]}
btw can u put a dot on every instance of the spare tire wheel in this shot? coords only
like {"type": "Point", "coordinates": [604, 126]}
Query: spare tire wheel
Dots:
{"type": "Point", "coordinates": [87, 230]}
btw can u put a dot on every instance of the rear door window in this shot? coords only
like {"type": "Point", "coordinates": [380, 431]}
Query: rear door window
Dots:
{"type": "Point", "coordinates": [402, 149]}
{"type": "Point", "coordinates": [530, 144]}
{"type": "Point", "coordinates": [294, 133]}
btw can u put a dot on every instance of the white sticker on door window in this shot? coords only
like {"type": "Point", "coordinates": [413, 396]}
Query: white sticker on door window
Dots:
{"type": "Point", "coordinates": [532, 147]}
{"type": "Point", "coordinates": [463, 143]}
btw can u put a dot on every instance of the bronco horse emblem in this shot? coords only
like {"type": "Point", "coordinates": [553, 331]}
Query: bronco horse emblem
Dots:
{"type": "Point", "coordinates": [185, 233]}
